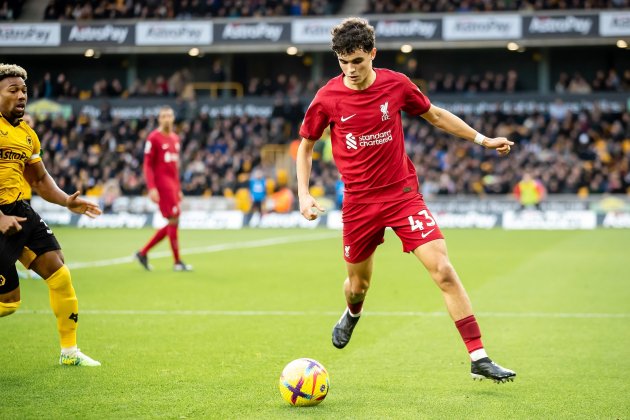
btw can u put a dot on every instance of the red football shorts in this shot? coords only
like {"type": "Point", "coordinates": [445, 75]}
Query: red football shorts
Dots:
{"type": "Point", "coordinates": [169, 203]}
{"type": "Point", "coordinates": [364, 226]}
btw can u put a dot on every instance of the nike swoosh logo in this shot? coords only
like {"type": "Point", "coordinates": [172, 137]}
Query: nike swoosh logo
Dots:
{"type": "Point", "coordinates": [344, 119]}
{"type": "Point", "coordinates": [425, 234]}
{"type": "Point", "coordinates": [165, 146]}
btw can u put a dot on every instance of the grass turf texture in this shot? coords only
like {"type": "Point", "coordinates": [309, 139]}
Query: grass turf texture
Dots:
{"type": "Point", "coordinates": [212, 343]}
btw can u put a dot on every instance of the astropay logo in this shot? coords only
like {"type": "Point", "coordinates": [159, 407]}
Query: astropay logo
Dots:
{"type": "Point", "coordinates": [561, 25]}
{"type": "Point", "coordinates": [107, 33]}
{"type": "Point", "coordinates": [259, 31]}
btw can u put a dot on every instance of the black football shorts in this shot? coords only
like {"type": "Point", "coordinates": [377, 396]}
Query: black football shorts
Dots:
{"type": "Point", "coordinates": [35, 235]}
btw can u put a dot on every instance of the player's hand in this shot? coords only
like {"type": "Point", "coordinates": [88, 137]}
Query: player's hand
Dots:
{"type": "Point", "coordinates": [10, 224]}
{"type": "Point", "coordinates": [81, 206]}
{"type": "Point", "coordinates": [500, 144]}
{"type": "Point", "coordinates": [307, 204]}
{"type": "Point", "coordinates": [154, 195]}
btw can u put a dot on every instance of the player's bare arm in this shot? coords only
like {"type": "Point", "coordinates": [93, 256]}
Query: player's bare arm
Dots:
{"type": "Point", "coordinates": [304, 163]}
{"type": "Point", "coordinates": [451, 123]}
{"type": "Point", "coordinates": [41, 181]}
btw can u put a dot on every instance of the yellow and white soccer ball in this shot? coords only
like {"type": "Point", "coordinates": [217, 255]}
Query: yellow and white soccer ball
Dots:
{"type": "Point", "coordinates": [304, 382]}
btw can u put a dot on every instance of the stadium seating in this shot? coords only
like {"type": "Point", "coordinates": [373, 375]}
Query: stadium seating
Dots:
{"type": "Point", "coordinates": [186, 9]}
{"type": "Point", "coordinates": [11, 9]}
{"type": "Point", "coordinates": [466, 6]}
{"type": "Point", "coordinates": [574, 153]}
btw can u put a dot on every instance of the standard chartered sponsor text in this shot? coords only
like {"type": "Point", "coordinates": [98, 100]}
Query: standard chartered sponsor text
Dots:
{"type": "Point", "coordinates": [375, 139]}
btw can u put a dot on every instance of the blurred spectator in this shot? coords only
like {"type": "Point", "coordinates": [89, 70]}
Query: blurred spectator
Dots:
{"type": "Point", "coordinates": [578, 84]}
{"type": "Point", "coordinates": [258, 191]}
{"type": "Point", "coordinates": [11, 9]}
{"type": "Point", "coordinates": [529, 192]}
{"type": "Point", "coordinates": [339, 192]}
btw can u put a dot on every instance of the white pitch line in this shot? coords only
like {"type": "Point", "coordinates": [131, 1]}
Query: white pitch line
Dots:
{"type": "Point", "coordinates": [207, 249]}
{"type": "Point", "coordinates": [161, 312]}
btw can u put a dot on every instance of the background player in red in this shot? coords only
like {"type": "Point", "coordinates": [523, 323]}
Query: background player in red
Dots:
{"type": "Point", "coordinates": [161, 172]}
{"type": "Point", "coordinates": [363, 108]}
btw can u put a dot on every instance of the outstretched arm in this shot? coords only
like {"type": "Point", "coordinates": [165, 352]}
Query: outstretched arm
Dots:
{"type": "Point", "coordinates": [451, 123]}
{"type": "Point", "coordinates": [304, 163]}
{"type": "Point", "coordinates": [41, 181]}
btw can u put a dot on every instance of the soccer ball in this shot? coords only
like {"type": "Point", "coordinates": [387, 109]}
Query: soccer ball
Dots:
{"type": "Point", "coordinates": [304, 382]}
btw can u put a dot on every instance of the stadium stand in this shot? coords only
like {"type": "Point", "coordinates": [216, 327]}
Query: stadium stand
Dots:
{"type": "Point", "coordinates": [571, 152]}
{"type": "Point", "coordinates": [11, 9]}
{"type": "Point", "coordinates": [574, 149]}
{"type": "Point", "coordinates": [466, 6]}
{"type": "Point", "coordinates": [185, 9]}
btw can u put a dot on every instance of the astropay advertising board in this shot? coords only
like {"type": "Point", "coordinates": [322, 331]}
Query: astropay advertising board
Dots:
{"type": "Point", "coordinates": [97, 34]}
{"type": "Point", "coordinates": [30, 34]}
{"type": "Point", "coordinates": [312, 31]}
{"type": "Point", "coordinates": [543, 26]}
{"type": "Point", "coordinates": [615, 23]}
{"type": "Point", "coordinates": [242, 32]}
{"type": "Point", "coordinates": [174, 33]}
{"type": "Point", "coordinates": [482, 27]}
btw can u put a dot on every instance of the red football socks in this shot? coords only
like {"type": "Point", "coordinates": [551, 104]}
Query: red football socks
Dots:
{"type": "Point", "coordinates": [469, 330]}
{"type": "Point", "coordinates": [159, 235]}
{"type": "Point", "coordinates": [172, 235]}
{"type": "Point", "coordinates": [355, 308]}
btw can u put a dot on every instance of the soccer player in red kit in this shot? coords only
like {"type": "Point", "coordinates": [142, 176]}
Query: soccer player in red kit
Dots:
{"type": "Point", "coordinates": [363, 108]}
{"type": "Point", "coordinates": [161, 172]}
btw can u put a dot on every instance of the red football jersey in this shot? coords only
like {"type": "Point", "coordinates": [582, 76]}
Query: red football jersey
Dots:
{"type": "Point", "coordinates": [368, 143]}
{"type": "Point", "coordinates": [161, 161]}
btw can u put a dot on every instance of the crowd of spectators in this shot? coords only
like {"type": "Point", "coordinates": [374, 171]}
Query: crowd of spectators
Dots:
{"type": "Point", "coordinates": [178, 85]}
{"type": "Point", "coordinates": [10, 9]}
{"type": "Point", "coordinates": [571, 153]}
{"type": "Point", "coordinates": [465, 6]}
{"type": "Point", "coordinates": [604, 81]}
{"type": "Point", "coordinates": [58, 87]}
{"type": "Point", "coordinates": [489, 82]}
{"type": "Point", "coordinates": [185, 9]}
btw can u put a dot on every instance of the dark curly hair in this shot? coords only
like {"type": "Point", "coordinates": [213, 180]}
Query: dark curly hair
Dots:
{"type": "Point", "coordinates": [353, 34]}
{"type": "Point", "coordinates": [11, 70]}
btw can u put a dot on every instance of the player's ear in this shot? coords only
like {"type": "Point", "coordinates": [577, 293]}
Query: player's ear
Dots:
{"type": "Point", "coordinates": [373, 53]}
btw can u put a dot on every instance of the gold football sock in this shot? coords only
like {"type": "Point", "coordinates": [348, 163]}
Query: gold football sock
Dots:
{"type": "Point", "coordinates": [63, 301]}
{"type": "Point", "coordinates": [7, 308]}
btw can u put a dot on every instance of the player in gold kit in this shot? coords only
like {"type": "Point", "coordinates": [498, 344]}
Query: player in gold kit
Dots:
{"type": "Point", "coordinates": [22, 230]}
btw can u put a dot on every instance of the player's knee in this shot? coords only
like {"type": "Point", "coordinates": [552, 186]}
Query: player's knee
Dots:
{"type": "Point", "coordinates": [60, 279]}
{"type": "Point", "coordinates": [444, 275]}
{"type": "Point", "coordinates": [359, 287]}
{"type": "Point", "coordinates": [7, 308]}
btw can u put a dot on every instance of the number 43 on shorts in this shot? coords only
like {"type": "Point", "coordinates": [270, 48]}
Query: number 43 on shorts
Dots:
{"type": "Point", "coordinates": [417, 224]}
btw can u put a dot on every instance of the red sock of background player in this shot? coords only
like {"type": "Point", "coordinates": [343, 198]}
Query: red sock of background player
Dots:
{"type": "Point", "coordinates": [469, 330]}
{"type": "Point", "coordinates": [172, 235]}
{"type": "Point", "coordinates": [355, 309]}
{"type": "Point", "coordinates": [159, 235]}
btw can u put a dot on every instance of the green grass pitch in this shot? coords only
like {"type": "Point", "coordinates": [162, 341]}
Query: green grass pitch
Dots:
{"type": "Point", "coordinates": [553, 306]}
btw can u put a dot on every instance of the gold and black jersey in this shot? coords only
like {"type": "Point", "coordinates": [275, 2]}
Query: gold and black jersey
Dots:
{"type": "Point", "coordinates": [19, 146]}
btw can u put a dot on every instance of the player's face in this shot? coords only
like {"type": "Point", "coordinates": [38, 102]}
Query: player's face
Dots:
{"type": "Point", "coordinates": [357, 68]}
{"type": "Point", "coordinates": [166, 119]}
{"type": "Point", "coordinates": [13, 98]}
